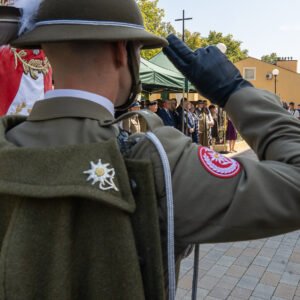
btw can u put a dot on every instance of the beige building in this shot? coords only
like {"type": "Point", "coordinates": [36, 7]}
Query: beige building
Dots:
{"type": "Point", "coordinates": [260, 74]}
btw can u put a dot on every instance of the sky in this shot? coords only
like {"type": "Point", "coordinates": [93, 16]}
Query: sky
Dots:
{"type": "Point", "coordinates": [264, 26]}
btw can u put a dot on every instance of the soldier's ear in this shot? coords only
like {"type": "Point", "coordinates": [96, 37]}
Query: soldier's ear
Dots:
{"type": "Point", "coordinates": [120, 54]}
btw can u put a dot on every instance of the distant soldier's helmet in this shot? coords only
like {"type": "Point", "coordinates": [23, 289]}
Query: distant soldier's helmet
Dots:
{"type": "Point", "coordinates": [9, 21]}
{"type": "Point", "coordinates": [91, 20]}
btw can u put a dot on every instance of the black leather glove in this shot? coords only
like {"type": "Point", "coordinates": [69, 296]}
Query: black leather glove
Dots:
{"type": "Point", "coordinates": [208, 69]}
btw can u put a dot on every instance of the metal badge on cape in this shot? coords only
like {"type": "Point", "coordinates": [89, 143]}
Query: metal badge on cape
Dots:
{"type": "Point", "coordinates": [100, 172]}
{"type": "Point", "coordinates": [217, 164]}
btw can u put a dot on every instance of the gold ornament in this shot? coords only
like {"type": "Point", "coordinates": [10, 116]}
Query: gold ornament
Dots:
{"type": "Point", "coordinates": [20, 107]}
{"type": "Point", "coordinates": [6, 2]}
{"type": "Point", "coordinates": [34, 67]}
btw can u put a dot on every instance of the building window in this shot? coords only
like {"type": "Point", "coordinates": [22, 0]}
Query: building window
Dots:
{"type": "Point", "coordinates": [250, 73]}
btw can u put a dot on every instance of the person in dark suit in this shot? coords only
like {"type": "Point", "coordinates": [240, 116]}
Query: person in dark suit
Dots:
{"type": "Point", "coordinates": [173, 111]}
{"type": "Point", "coordinates": [165, 114]}
{"type": "Point", "coordinates": [186, 119]}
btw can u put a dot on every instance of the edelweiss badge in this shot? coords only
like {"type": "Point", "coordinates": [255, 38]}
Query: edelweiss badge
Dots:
{"type": "Point", "coordinates": [103, 174]}
{"type": "Point", "coordinates": [217, 164]}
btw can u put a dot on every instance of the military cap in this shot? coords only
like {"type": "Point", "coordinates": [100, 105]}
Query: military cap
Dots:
{"type": "Point", "coordinates": [9, 23]}
{"type": "Point", "coordinates": [150, 103]}
{"type": "Point", "coordinates": [89, 20]}
{"type": "Point", "coordinates": [135, 104]}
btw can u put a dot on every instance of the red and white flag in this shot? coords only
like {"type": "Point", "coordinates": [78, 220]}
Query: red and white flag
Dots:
{"type": "Point", "coordinates": [25, 76]}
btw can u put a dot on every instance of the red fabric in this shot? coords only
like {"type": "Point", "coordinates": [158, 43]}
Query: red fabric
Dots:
{"type": "Point", "coordinates": [10, 78]}
{"type": "Point", "coordinates": [11, 75]}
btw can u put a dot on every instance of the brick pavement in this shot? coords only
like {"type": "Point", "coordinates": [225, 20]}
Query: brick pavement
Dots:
{"type": "Point", "coordinates": [255, 270]}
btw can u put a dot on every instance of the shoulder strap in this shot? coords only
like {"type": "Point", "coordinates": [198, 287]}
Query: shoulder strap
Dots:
{"type": "Point", "coordinates": [152, 120]}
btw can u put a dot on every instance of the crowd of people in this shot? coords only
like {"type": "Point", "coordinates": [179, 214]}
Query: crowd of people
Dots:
{"type": "Point", "coordinates": [292, 109]}
{"type": "Point", "coordinates": [203, 123]}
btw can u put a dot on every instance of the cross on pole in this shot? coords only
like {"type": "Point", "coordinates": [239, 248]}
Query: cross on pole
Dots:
{"type": "Point", "coordinates": [185, 80]}
{"type": "Point", "coordinates": [197, 248]}
{"type": "Point", "coordinates": [183, 23]}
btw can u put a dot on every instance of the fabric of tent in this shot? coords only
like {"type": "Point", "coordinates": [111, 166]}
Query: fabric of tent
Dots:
{"type": "Point", "coordinates": [155, 77]}
{"type": "Point", "coordinates": [162, 60]}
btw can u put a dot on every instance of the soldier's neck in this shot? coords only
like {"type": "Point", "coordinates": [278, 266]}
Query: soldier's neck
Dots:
{"type": "Point", "coordinates": [102, 87]}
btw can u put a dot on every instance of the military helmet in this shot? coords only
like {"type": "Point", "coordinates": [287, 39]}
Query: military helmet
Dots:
{"type": "Point", "coordinates": [9, 22]}
{"type": "Point", "coordinates": [88, 20]}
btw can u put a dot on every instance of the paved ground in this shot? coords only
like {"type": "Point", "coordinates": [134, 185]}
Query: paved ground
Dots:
{"type": "Point", "coordinates": [261, 269]}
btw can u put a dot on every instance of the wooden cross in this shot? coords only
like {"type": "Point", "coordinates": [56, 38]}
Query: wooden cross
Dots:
{"type": "Point", "coordinates": [183, 23]}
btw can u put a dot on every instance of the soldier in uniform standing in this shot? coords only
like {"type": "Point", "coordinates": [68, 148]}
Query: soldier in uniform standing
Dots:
{"type": "Point", "coordinates": [55, 249]}
{"type": "Point", "coordinates": [132, 125]}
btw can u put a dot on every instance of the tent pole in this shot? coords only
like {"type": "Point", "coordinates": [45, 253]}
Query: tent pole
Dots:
{"type": "Point", "coordinates": [182, 111]}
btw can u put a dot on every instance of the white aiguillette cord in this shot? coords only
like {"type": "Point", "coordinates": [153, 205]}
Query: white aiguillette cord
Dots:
{"type": "Point", "coordinates": [170, 202]}
{"type": "Point", "coordinates": [170, 213]}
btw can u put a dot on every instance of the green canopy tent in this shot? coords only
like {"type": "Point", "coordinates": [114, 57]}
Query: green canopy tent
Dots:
{"type": "Point", "coordinates": [156, 78]}
{"type": "Point", "coordinates": [162, 60]}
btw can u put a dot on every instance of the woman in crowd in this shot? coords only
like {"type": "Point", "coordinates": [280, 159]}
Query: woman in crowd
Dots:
{"type": "Point", "coordinates": [152, 106]}
{"type": "Point", "coordinates": [231, 135]}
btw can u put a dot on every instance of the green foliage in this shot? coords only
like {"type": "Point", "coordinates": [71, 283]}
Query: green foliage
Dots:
{"type": "Point", "coordinates": [153, 21]}
{"type": "Point", "coordinates": [234, 51]}
{"type": "Point", "coordinates": [192, 39]}
{"type": "Point", "coordinates": [271, 59]}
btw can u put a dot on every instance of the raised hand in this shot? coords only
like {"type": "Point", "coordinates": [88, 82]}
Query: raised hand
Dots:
{"type": "Point", "coordinates": [208, 69]}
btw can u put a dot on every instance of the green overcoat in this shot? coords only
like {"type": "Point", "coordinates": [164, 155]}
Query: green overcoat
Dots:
{"type": "Point", "coordinates": [64, 238]}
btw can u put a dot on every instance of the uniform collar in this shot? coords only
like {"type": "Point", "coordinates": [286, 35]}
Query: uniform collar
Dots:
{"type": "Point", "coordinates": [62, 93]}
{"type": "Point", "coordinates": [63, 107]}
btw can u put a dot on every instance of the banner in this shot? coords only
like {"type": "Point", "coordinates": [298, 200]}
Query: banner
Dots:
{"type": "Point", "coordinates": [25, 76]}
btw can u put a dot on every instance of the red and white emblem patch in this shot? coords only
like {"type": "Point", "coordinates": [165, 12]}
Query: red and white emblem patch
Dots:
{"type": "Point", "coordinates": [217, 164]}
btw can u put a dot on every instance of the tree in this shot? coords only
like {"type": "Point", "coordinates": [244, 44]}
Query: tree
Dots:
{"type": "Point", "coordinates": [271, 59]}
{"type": "Point", "coordinates": [192, 39]}
{"type": "Point", "coordinates": [234, 51]}
{"type": "Point", "coordinates": [153, 21]}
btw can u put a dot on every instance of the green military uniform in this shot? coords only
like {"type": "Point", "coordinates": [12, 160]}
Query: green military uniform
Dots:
{"type": "Point", "coordinates": [261, 200]}
{"type": "Point", "coordinates": [61, 235]}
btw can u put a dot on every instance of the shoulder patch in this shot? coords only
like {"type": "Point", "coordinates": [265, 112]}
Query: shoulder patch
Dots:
{"type": "Point", "coordinates": [218, 165]}
{"type": "Point", "coordinates": [102, 173]}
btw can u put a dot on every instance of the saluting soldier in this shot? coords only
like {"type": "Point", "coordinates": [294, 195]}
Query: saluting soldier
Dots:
{"type": "Point", "coordinates": [68, 190]}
